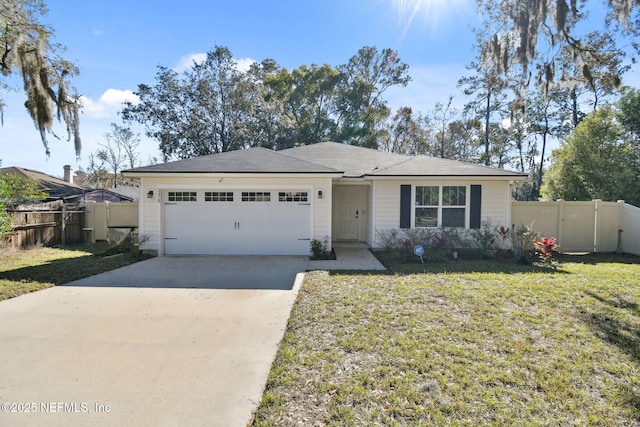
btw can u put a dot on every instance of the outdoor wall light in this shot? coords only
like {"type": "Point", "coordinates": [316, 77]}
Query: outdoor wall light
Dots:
{"type": "Point", "coordinates": [319, 194]}
{"type": "Point", "coordinates": [150, 194]}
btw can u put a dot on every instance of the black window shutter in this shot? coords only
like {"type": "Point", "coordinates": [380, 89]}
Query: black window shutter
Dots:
{"type": "Point", "coordinates": [405, 206]}
{"type": "Point", "coordinates": [476, 202]}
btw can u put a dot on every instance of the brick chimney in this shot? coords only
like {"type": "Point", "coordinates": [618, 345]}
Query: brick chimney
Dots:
{"type": "Point", "coordinates": [68, 175]}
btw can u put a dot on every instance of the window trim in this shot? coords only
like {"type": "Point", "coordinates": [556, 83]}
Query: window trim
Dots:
{"type": "Point", "coordinates": [182, 196]}
{"type": "Point", "coordinates": [218, 196]}
{"type": "Point", "coordinates": [441, 207]}
{"type": "Point", "coordinates": [255, 196]}
{"type": "Point", "coordinates": [293, 196]}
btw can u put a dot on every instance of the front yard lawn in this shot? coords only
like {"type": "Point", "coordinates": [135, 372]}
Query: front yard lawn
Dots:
{"type": "Point", "coordinates": [462, 343]}
{"type": "Point", "coordinates": [28, 270]}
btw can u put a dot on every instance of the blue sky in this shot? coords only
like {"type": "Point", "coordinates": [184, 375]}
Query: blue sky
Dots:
{"type": "Point", "coordinates": [119, 44]}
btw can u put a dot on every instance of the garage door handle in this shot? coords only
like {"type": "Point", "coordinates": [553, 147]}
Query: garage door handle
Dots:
{"type": "Point", "coordinates": [304, 239]}
{"type": "Point", "coordinates": [170, 238]}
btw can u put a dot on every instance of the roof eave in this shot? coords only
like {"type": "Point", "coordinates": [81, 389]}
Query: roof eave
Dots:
{"type": "Point", "coordinates": [448, 177]}
{"type": "Point", "coordinates": [230, 174]}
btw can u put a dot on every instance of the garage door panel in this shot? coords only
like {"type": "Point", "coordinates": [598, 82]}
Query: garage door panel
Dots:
{"type": "Point", "coordinates": [237, 227]}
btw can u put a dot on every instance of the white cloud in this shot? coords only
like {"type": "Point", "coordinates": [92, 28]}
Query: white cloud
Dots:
{"type": "Point", "coordinates": [109, 103]}
{"type": "Point", "coordinates": [187, 61]}
{"type": "Point", "coordinates": [244, 64]}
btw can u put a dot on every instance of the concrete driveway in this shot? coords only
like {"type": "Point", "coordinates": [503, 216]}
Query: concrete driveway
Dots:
{"type": "Point", "coordinates": [169, 341]}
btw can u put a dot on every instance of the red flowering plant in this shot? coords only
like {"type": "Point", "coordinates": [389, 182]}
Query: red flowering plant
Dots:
{"type": "Point", "coordinates": [545, 248]}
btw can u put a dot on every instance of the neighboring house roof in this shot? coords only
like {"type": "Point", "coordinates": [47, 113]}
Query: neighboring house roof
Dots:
{"type": "Point", "coordinates": [326, 157]}
{"type": "Point", "coordinates": [101, 195]}
{"type": "Point", "coordinates": [128, 191]}
{"type": "Point", "coordinates": [252, 160]}
{"type": "Point", "coordinates": [55, 188]}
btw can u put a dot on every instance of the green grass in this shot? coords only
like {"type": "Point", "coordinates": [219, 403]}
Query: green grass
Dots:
{"type": "Point", "coordinates": [23, 271]}
{"type": "Point", "coordinates": [462, 343]}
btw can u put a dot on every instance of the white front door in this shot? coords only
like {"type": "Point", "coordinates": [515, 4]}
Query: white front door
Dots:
{"type": "Point", "coordinates": [347, 213]}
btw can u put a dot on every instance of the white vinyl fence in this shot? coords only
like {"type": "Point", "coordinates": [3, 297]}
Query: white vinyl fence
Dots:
{"type": "Point", "coordinates": [110, 220]}
{"type": "Point", "coordinates": [594, 226]}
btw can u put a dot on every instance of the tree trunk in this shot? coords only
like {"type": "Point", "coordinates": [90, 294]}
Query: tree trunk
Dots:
{"type": "Point", "coordinates": [486, 130]}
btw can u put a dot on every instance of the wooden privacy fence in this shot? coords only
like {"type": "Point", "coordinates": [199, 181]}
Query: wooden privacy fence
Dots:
{"type": "Point", "coordinates": [593, 226]}
{"type": "Point", "coordinates": [53, 223]}
{"type": "Point", "coordinates": [110, 220]}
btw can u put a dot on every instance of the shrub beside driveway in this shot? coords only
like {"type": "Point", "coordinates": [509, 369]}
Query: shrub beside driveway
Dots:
{"type": "Point", "coordinates": [462, 343]}
{"type": "Point", "coordinates": [23, 271]}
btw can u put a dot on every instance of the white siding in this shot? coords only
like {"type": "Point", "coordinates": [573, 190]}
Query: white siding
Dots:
{"type": "Point", "coordinates": [150, 212]}
{"type": "Point", "coordinates": [387, 205]}
{"type": "Point", "coordinates": [496, 203]}
{"type": "Point", "coordinates": [371, 215]}
{"type": "Point", "coordinates": [495, 206]}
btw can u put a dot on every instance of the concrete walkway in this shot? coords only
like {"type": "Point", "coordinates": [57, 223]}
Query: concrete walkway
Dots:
{"type": "Point", "coordinates": [349, 256]}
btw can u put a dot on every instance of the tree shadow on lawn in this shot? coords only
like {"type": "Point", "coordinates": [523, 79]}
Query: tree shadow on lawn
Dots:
{"type": "Point", "coordinates": [65, 270]}
{"type": "Point", "coordinates": [617, 322]}
{"type": "Point", "coordinates": [609, 327]}
{"type": "Point", "coordinates": [600, 258]}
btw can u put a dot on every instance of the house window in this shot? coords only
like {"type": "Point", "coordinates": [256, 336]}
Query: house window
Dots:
{"type": "Point", "coordinates": [293, 196]}
{"type": "Point", "coordinates": [218, 196]}
{"type": "Point", "coordinates": [440, 206]}
{"type": "Point", "coordinates": [454, 200]}
{"type": "Point", "coordinates": [256, 196]}
{"type": "Point", "coordinates": [182, 196]}
{"type": "Point", "coordinates": [427, 201]}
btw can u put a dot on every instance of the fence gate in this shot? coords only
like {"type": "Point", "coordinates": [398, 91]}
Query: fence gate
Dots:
{"type": "Point", "coordinates": [110, 220]}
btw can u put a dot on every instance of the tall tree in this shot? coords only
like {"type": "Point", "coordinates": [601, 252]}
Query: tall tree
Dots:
{"type": "Point", "coordinates": [441, 117]}
{"type": "Point", "coordinates": [488, 85]}
{"type": "Point", "coordinates": [309, 97]}
{"type": "Point", "coordinates": [119, 151]}
{"type": "Point", "coordinates": [25, 49]}
{"type": "Point", "coordinates": [95, 175]}
{"type": "Point", "coordinates": [269, 125]}
{"type": "Point", "coordinates": [595, 162]}
{"type": "Point", "coordinates": [361, 106]}
{"type": "Point", "coordinates": [629, 113]}
{"type": "Point", "coordinates": [403, 134]}
{"type": "Point", "coordinates": [533, 33]}
{"type": "Point", "coordinates": [203, 111]}
{"type": "Point", "coordinates": [549, 117]}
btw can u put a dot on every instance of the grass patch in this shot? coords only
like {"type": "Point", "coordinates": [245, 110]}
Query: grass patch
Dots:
{"type": "Point", "coordinates": [24, 271]}
{"type": "Point", "coordinates": [463, 343]}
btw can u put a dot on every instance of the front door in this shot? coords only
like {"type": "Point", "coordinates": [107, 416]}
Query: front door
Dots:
{"type": "Point", "coordinates": [347, 213]}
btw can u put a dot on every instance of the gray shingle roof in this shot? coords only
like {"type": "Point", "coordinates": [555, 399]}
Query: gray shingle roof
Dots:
{"type": "Point", "coordinates": [252, 160]}
{"type": "Point", "coordinates": [55, 188]}
{"type": "Point", "coordinates": [358, 161]}
{"type": "Point", "coordinates": [434, 166]}
{"type": "Point", "coordinates": [353, 161]}
{"type": "Point", "coordinates": [325, 157]}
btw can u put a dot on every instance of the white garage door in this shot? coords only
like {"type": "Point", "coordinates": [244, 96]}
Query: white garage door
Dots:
{"type": "Point", "coordinates": [236, 222]}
